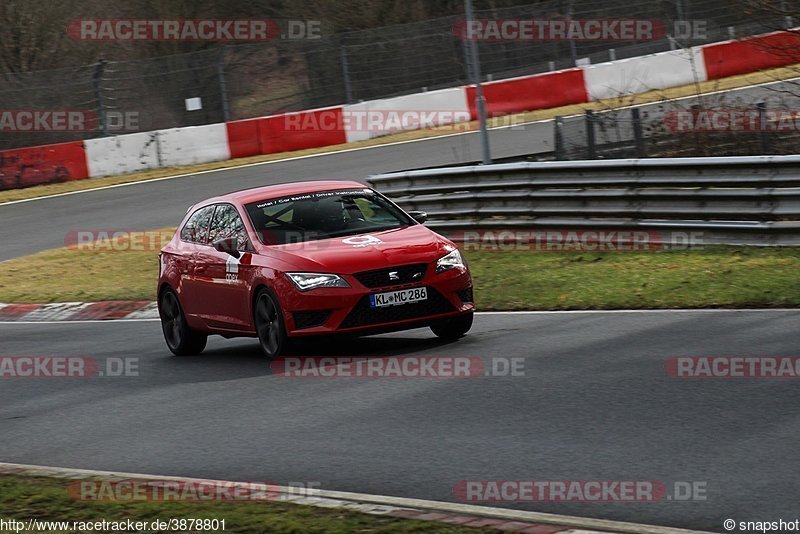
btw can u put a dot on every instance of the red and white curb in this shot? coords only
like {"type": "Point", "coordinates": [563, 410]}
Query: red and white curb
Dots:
{"type": "Point", "coordinates": [467, 515]}
{"type": "Point", "coordinates": [79, 311]}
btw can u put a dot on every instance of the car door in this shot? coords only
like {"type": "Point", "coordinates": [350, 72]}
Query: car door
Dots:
{"type": "Point", "coordinates": [222, 277]}
{"type": "Point", "coordinates": [194, 237]}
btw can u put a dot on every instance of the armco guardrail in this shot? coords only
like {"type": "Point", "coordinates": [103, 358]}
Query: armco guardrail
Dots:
{"type": "Point", "coordinates": [738, 200]}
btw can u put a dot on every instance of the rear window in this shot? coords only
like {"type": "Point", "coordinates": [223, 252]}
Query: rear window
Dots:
{"type": "Point", "coordinates": [324, 214]}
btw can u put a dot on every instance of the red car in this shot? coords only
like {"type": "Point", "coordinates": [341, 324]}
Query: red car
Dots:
{"type": "Point", "coordinates": [308, 259]}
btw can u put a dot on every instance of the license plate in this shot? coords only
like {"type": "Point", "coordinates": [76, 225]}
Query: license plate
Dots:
{"type": "Point", "coordinates": [396, 298]}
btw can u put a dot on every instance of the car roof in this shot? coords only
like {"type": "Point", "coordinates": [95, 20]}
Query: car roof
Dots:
{"type": "Point", "coordinates": [281, 190]}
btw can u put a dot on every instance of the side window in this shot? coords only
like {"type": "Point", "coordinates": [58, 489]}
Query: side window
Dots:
{"type": "Point", "coordinates": [227, 223]}
{"type": "Point", "coordinates": [196, 228]}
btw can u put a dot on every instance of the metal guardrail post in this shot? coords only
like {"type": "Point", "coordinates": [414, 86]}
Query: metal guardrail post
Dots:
{"type": "Point", "coordinates": [558, 141]}
{"type": "Point", "coordinates": [590, 140]}
{"type": "Point", "coordinates": [637, 132]}
{"type": "Point", "coordinates": [763, 135]}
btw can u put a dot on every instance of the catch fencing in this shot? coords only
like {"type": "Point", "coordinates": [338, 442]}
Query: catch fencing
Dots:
{"type": "Point", "coordinates": [259, 79]}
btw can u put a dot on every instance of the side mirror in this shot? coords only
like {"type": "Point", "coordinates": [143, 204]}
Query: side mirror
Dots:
{"type": "Point", "coordinates": [419, 216]}
{"type": "Point", "coordinates": [227, 245]}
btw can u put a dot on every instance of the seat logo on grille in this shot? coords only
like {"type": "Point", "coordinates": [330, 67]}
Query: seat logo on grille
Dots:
{"type": "Point", "coordinates": [394, 276]}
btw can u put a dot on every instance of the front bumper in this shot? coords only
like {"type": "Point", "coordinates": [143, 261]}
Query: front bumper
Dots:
{"type": "Point", "coordinates": [347, 310]}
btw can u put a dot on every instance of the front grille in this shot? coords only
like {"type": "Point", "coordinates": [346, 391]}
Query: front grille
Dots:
{"type": "Point", "coordinates": [363, 315]}
{"type": "Point", "coordinates": [310, 319]}
{"type": "Point", "coordinates": [465, 295]}
{"type": "Point", "coordinates": [404, 274]}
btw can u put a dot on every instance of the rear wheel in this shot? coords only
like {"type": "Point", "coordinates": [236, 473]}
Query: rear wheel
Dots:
{"type": "Point", "coordinates": [269, 324]}
{"type": "Point", "coordinates": [181, 339]}
{"type": "Point", "coordinates": [453, 328]}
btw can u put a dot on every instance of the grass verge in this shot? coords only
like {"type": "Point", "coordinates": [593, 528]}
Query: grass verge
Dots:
{"type": "Point", "coordinates": [46, 499]}
{"type": "Point", "coordinates": [508, 280]}
{"type": "Point", "coordinates": [712, 277]}
{"type": "Point", "coordinates": [733, 82]}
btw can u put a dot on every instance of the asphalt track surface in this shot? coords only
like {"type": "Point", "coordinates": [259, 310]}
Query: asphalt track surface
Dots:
{"type": "Point", "coordinates": [594, 403]}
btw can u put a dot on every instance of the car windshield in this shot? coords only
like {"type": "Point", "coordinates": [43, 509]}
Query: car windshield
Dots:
{"type": "Point", "coordinates": [324, 214]}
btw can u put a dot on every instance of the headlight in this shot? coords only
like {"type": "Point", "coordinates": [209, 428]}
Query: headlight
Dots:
{"type": "Point", "coordinates": [450, 261]}
{"type": "Point", "coordinates": [306, 281]}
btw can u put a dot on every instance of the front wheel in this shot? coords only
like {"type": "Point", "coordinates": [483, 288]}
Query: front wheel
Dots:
{"type": "Point", "coordinates": [181, 339]}
{"type": "Point", "coordinates": [269, 324]}
{"type": "Point", "coordinates": [453, 328]}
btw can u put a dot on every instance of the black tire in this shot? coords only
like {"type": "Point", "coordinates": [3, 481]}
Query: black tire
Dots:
{"type": "Point", "coordinates": [268, 320]}
{"type": "Point", "coordinates": [453, 328]}
{"type": "Point", "coordinates": [181, 340]}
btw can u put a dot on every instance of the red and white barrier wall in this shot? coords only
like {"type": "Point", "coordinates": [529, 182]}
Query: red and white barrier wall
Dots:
{"type": "Point", "coordinates": [376, 118]}
{"type": "Point", "coordinates": [161, 148]}
{"type": "Point", "coordinates": [646, 73]}
{"type": "Point", "coordinates": [26, 167]}
{"type": "Point", "coordinates": [749, 55]}
{"type": "Point", "coordinates": [365, 120]}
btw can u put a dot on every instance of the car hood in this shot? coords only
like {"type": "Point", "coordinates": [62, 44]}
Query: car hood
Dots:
{"type": "Point", "coordinates": [363, 252]}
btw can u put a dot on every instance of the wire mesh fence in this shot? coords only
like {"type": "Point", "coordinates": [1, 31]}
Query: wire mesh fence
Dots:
{"type": "Point", "coordinates": [256, 79]}
{"type": "Point", "coordinates": [707, 131]}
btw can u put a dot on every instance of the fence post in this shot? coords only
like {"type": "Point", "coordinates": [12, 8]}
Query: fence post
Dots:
{"type": "Point", "coordinates": [637, 132]}
{"type": "Point", "coordinates": [558, 132]}
{"type": "Point", "coordinates": [480, 101]}
{"type": "Point", "coordinates": [573, 50]}
{"type": "Point", "coordinates": [97, 82]}
{"type": "Point", "coordinates": [348, 88]}
{"type": "Point", "coordinates": [223, 86]}
{"type": "Point", "coordinates": [763, 135]}
{"type": "Point", "coordinates": [679, 17]}
{"type": "Point", "coordinates": [590, 142]}
{"type": "Point", "coordinates": [787, 19]}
